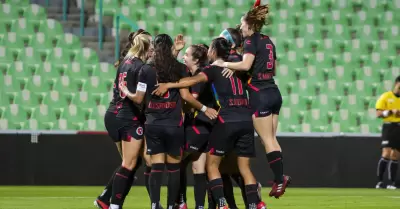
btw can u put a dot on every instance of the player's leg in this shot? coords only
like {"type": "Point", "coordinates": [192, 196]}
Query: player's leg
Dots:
{"type": "Point", "coordinates": [266, 106]}
{"type": "Point", "coordinates": [181, 199]}
{"type": "Point", "coordinates": [131, 146]}
{"type": "Point", "coordinates": [227, 167]}
{"type": "Point", "coordinates": [245, 149]}
{"type": "Point", "coordinates": [392, 168]}
{"type": "Point", "coordinates": [156, 149]}
{"type": "Point", "coordinates": [218, 146]}
{"type": "Point", "coordinates": [174, 149]}
{"type": "Point", "coordinates": [147, 169]}
{"type": "Point", "coordinates": [200, 178]}
{"type": "Point", "coordinates": [385, 156]}
{"type": "Point", "coordinates": [103, 201]}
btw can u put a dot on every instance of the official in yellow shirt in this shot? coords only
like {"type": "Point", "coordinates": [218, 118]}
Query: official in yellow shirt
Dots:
{"type": "Point", "coordinates": [388, 108]}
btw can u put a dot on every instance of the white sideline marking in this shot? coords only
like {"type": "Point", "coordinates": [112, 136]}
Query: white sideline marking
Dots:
{"type": "Point", "coordinates": [394, 197]}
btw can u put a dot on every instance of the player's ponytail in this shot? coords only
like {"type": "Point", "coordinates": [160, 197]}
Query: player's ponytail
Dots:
{"type": "Point", "coordinates": [128, 45]}
{"type": "Point", "coordinates": [256, 17]}
{"type": "Point", "coordinates": [140, 46]}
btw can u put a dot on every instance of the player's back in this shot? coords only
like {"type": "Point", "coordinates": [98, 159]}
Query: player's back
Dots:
{"type": "Point", "coordinates": [230, 94]}
{"type": "Point", "coordinates": [263, 68]}
{"type": "Point", "coordinates": [165, 110]}
{"type": "Point", "coordinates": [127, 75]}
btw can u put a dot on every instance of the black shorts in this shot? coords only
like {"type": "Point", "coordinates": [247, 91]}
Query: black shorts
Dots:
{"type": "Point", "coordinates": [196, 137]}
{"type": "Point", "coordinates": [122, 129]}
{"type": "Point", "coordinates": [265, 102]}
{"type": "Point", "coordinates": [391, 135]}
{"type": "Point", "coordinates": [232, 136]}
{"type": "Point", "coordinates": [164, 139]}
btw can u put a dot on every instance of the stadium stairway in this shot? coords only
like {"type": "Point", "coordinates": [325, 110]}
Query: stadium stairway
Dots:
{"type": "Point", "coordinates": [91, 29]}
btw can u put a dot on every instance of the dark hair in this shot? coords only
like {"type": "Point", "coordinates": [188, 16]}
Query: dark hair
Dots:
{"type": "Point", "coordinates": [200, 52]}
{"type": "Point", "coordinates": [204, 45]}
{"type": "Point", "coordinates": [128, 45]}
{"type": "Point", "coordinates": [397, 79]}
{"type": "Point", "coordinates": [236, 36]}
{"type": "Point", "coordinates": [168, 68]}
{"type": "Point", "coordinates": [222, 47]}
{"type": "Point", "coordinates": [256, 17]}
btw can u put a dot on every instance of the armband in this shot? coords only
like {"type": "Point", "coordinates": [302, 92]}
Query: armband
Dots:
{"type": "Point", "coordinates": [385, 113]}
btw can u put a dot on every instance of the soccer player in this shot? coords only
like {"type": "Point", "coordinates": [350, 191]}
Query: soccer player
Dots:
{"type": "Point", "coordinates": [124, 121]}
{"type": "Point", "coordinates": [388, 108]}
{"type": "Point", "coordinates": [233, 130]}
{"type": "Point", "coordinates": [265, 97]}
{"type": "Point", "coordinates": [197, 128]}
{"type": "Point", "coordinates": [163, 127]}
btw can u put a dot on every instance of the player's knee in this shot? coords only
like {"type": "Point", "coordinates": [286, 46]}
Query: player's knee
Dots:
{"type": "Point", "coordinates": [394, 155]}
{"type": "Point", "coordinates": [198, 167]}
{"type": "Point", "coordinates": [386, 153]}
{"type": "Point", "coordinates": [129, 163]}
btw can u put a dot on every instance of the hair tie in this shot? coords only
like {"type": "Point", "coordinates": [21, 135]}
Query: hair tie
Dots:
{"type": "Point", "coordinates": [257, 3]}
{"type": "Point", "coordinates": [225, 33]}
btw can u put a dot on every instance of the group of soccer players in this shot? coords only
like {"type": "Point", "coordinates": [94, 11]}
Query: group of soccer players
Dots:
{"type": "Point", "coordinates": [203, 111]}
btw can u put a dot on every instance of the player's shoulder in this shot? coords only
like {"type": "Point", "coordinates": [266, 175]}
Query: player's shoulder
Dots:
{"type": "Point", "coordinates": [211, 67]}
{"type": "Point", "coordinates": [385, 95]}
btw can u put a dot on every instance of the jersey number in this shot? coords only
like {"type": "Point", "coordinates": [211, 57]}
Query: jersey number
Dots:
{"type": "Point", "coordinates": [122, 82]}
{"type": "Point", "coordinates": [239, 89]}
{"type": "Point", "coordinates": [271, 62]}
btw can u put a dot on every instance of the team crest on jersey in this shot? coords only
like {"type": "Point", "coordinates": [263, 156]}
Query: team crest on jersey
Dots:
{"type": "Point", "coordinates": [139, 131]}
{"type": "Point", "coordinates": [248, 42]}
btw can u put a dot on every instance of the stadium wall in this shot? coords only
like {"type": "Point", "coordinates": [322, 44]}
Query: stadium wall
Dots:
{"type": "Point", "coordinates": [70, 158]}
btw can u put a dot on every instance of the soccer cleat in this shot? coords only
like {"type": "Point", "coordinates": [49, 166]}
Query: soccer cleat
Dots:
{"type": "Point", "coordinates": [100, 204]}
{"type": "Point", "coordinates": [391, 186]}
{"type": "Point", "coordinates": [261, 205]}
{"type": "Point", "coordinates": [279, 189]}
{"type": "Point", "coordinates": [259, 186]}
{"type": "Point", "coordinates": [379, 185]}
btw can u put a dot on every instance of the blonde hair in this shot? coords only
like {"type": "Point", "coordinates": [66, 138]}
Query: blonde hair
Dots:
{"type": "Point", "coordinates": [139, 46]}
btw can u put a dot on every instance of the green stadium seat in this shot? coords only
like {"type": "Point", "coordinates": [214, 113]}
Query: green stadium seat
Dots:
{"type": "Point", "coordinates": [9, 13]}
{"type": "Point", "coordinates": [35, 14]}
{"type": "Point", "coordinates": [13, 42]}
{"type": "Point", "coordinates": [69, 41]}
{"type": "Point", "coordinates": [52, 28]}
{"type": "Point", "coordinates": [88, 58]}
{"type": "Point", "coordinates": [61, 58]}
{"type": "Point", "coordinates": [42, 44]}
{"type": "Point", "coordinates": [74, 117]}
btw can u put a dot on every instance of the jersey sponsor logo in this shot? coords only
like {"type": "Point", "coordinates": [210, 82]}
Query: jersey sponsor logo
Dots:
{"type": "Point", "coordinates": [194, 148]}
{"type": "Point", "coordinates": [139, 131]}
{"type": "Point", "coordinates": [238, 102]}
{"type": "Point", "coordinates": [162, 105]}
{"type": "Point", "coordinates": [219, 151]}
{"type": "Point", "coordinates": [141, 87]}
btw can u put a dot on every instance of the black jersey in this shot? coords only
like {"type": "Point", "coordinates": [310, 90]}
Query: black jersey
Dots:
{"type": "Point", "coordinates": [230, 94]}
{"type": "Point", "coordinates": [263, 68]}
{"type": "Point", "coordinates": [236, 57]}
{"type": "Point", "coordinates": [205, 97]}
{"type": "Point", "coordinates": [128, 75]}
{"type": "Point", "coordinates": [165, 110]}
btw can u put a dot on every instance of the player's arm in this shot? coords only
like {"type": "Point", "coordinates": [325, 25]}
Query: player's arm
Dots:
{"type": "Point", "coordinates": [138, 96]}
{"type": "Point", "coordinates": [249, 51]}
{"type": "Point", "coordinates": [381, 108]}
{"type": "Point", "coordinates": [189, 98]}
{"type": "Point", "coordinates": [183, 83]}
{"type": "Point", "coordinates": [179, 44]}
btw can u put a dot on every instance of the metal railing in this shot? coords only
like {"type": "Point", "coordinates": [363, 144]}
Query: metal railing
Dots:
{"type": "Point", "coordinates": [120, 17]}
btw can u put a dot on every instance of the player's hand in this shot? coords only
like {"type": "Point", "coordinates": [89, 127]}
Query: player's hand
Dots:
{"type": "Point", "coordinates": [219, 63]}
{"type": "Point", "coordinates": [211, 113]}
{"type": "Point", "coordinates": [227, 73]}
{"type": "Point", "coordinates": [179, 43]}
{"type": "Point", "coordinates": [161, 89]}
{"type": "Point", "coordinates": [123, 89]}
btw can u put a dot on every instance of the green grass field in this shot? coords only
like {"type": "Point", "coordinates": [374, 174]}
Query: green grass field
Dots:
{"type": "Point", "coordinates": [23, 197]}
